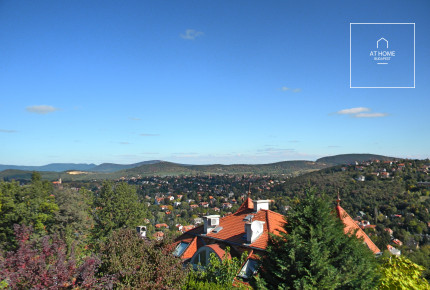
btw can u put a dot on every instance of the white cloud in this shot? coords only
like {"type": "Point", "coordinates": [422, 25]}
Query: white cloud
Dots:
{"type": "Point", "coordinates": [361, 112]}
{"type": "Point", "coordinates": [353, 111]}
{"type": "Point", "coordinates": [191, 34]}
{"type": "Point", "coordinates": [124, 143]}
{"type": "Point", "coordinates": [149, 135]}
{"type": "Point", "coordinates": [41, 109]}
{"type": "Point", "coordinates": [7, 131]}
{"type": "Point", "coordinates": [297, 90]}
{"type": "Point", "coordinates": [371, 115]}
{"type": "Point", "coordinates": [134, 119]}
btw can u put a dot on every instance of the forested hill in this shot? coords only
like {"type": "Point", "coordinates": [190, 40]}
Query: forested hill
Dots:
{"type": "Point", "coordinates": [350, 158]}
{"type": "Point", "coordinates": [163, 168]}
{"type": "Point", "coordinates": [391, 195]}
{"type": "Point", "coordinates": [170, 169]}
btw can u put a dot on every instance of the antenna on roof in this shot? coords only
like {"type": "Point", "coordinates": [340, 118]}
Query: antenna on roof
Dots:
{"type": "Point", "coordinates": [338, 198]}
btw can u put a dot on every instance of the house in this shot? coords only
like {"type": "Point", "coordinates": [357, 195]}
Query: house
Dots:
{"type": "Point", "coordinates": [390, 231]}
{"type": "Point", "coordinates": [158, 200]}
{"type": "Point", "coordinates": [158, 236]}
{"type": "Point", "coordinates": [398, 242]}
{"type": "Point", "coordinates": [393, 251]}
{"type": "Point", "coordinates": [204, 204]}
{"type": "Point", "coordinates": [246, 230]}
{"type": "Point", "coordinates": [385, 174]}
{"type": "Point", "coordinates": [193, 206]}
{"type": "Point", "coordinates": [164, 207]}
{"type": "Point", "coordinates": [187, 228]}
{"type": "Point", "coordinates": [159, 226]}
{"type": "Point", "coordinates": [360, 178]}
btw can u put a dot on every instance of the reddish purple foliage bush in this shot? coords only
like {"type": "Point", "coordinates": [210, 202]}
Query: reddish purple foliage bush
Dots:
{"type": "Point", "coordinates": [48, 265]}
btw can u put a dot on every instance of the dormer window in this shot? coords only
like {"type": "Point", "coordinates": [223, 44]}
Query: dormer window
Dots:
{"type": "Point", "coordinates": [180, 249]}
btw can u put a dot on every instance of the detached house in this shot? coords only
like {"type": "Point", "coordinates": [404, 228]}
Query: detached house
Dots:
{"type": "Point", "coordinates": [245, 230]}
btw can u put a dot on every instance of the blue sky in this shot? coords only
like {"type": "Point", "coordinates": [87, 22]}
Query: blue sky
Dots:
{"type": "Point", "coordinates": [201, 82]}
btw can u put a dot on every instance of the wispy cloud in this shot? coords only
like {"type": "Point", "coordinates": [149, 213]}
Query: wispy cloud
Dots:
{"type": "Point", "coordinates": [296, 90]}
{"type": "Point", "coordinates": [353, 111]}
{"type": "Point", "coordinates": [134, 119]}
{"type": "Point", "coordinates": [124, 143]}
{"type": "Point", "coordinates": [7, 131]}
{"type": "Point", "coordinates": [361, 112]}
{"type": "Point", "coordinates": [149, 135]}
{"type": "Point", "coordinates": [191, 34]}
{"type": "Point", "coordinates": [371, 115]}
{"type": "Point", "coordinates": [41, 109]}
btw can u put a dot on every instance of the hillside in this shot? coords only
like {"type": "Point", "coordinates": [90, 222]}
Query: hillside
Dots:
{"type": "Point", "coordinates": [163, 168]}
{"type": "Point", "coordinates": [350, 158]}
{"type": "Point", "coordinates": [112, 167]}
{"type": "Point", "coordinates": [57, 167]}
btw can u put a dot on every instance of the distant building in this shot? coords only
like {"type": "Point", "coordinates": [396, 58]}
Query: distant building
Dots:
{"type": "Point", "coordinates": [360, 178]}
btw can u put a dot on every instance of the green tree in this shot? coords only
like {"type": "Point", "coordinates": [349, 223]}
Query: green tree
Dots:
{"type": "Point", "coordinates": [316, 253]}
{"type": "Point", "coordinates": [141, 264]}
{"type": "Point", "coordinates": [219, 274]}
{"type": "Point", "coordinates": [402, 273]}
{"type": "Point", "coordinates": [73, 220]}
{"type": "Point", "coordinates": [116, 206]}
{"type": "Point", "coordinates": [32, 204]}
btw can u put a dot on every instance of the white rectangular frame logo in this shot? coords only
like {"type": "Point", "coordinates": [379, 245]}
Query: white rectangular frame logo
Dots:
{"type": "Point", "coordinates": [350, 67]}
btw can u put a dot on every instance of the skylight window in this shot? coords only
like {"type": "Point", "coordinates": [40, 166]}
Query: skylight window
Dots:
{"type": "Point", "coordinates": [180, 249]}
{"type": "Point", "coordinates": [217, 229]}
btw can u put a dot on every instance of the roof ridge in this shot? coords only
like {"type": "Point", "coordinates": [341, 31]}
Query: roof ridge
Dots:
{"type": "Point", "coordinates": [355, 225]}
{"type": "Point", "coordinates": [273, 212]}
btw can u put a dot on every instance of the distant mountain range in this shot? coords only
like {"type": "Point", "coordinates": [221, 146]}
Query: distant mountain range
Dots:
{"type": "Point", "coordinates": [60, 167]}
{"type": "Point", "coordinates": [70, 171]}
{"type": "Point", "coordinates": [56, 167]}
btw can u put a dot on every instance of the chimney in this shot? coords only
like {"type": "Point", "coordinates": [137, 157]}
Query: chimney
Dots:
{"type": "Point", "coordinates": [261, 204]}
{"type": "Point", "coordinates": [253, 231]}
{"type": "Point", "coordinates": [210, 223]}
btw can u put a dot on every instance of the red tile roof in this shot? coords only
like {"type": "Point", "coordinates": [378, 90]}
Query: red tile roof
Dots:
{"type": "Point", "coordinates": [351, 226]}
{"type": "Point", "coordinates": [233, 230]}
{"type": "Point", "coordinates": [234, 226]}
{"type": "Point", "coordinates": [161, 225]}
{"type": "Point", "coordinates": [218, 250]}
{"type": "Point", "coordinates": [191, 249]}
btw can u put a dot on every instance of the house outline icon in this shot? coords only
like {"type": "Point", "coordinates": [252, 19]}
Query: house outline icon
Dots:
{"type": "Point", "coordinates": [377, 43]}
